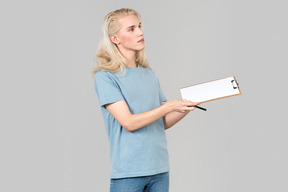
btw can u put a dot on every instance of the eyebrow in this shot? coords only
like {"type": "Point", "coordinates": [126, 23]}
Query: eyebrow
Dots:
{"type": "Point", "coordinates": [133, 26]}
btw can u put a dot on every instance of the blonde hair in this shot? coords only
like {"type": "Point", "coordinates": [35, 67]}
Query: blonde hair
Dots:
{"type": "Point", "coordinates": [108, 56]}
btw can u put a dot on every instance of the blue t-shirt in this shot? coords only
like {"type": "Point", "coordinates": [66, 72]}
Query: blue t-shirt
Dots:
{"type": "Point", "coordinates": [144, 151]}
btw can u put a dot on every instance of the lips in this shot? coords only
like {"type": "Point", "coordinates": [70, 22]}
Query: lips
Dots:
{"type": "Point", "coordinates": [141, 40]}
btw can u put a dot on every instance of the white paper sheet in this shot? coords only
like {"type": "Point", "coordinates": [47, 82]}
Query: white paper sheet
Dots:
{"type": "Point", "coordinates": [211, 90]}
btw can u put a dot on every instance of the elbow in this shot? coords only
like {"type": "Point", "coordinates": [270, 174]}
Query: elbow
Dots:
{"type": "Point", "coordinates": [128, 124]}
{"type": "Point", "coordinates": [129, 127]}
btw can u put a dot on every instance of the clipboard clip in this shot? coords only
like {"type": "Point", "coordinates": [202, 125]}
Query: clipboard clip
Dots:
{"type": "Point", "coordinates": [237, 84]}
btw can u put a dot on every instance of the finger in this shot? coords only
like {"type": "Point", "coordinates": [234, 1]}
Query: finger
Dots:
{"type": "Point", "coordinates": [194, 103]}
{"type": "Point", "coordinates": [189, 108]}
{"type": "Point", "coordinates": [190, 103]}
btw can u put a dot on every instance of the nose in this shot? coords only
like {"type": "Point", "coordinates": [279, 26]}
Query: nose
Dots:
{"type": "Point", "coordinates": [140, 32]}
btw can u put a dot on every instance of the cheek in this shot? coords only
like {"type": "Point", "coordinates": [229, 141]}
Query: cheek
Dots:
{"type": "Point", "coordinates": [127, 39]}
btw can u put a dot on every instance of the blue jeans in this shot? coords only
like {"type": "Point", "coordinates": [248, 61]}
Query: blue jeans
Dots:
{"type": "Point", "coordinates": [153, 183]}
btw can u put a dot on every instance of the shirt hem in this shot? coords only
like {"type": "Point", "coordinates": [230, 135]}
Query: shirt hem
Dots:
{"type": "Point", "coordinates": [139, 174]}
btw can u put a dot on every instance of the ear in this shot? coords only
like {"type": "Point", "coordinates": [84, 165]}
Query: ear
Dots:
{"type": "Point", "coordinates": [114, 39]}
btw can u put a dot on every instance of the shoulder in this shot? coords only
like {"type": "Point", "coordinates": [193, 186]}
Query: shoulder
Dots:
{"type": "Point", "coordinates": [103, 75]}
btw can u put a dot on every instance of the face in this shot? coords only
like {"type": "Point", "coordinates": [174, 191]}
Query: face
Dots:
{"type": "Point", "coordinates": [130, 37]}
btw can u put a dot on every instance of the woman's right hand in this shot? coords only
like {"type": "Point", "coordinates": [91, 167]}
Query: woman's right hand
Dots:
{"type": "Point", "coordinates": [181, 105]}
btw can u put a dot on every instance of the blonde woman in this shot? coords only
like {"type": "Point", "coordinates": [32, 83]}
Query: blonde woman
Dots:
{"type": "Point", "coordinates": [134, 108]}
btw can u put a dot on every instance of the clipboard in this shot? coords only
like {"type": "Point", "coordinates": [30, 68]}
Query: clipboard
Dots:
{"type": "Point", "coordinates": [212, 90]}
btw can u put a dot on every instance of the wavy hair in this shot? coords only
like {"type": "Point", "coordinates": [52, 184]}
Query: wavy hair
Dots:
{"type": "Point", "coordinates": [108, 56]}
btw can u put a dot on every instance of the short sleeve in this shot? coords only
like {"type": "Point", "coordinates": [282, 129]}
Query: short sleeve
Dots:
{"type": "Point", "coordinates": [106, 88]}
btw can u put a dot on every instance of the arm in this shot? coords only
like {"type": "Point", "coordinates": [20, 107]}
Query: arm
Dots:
{"type": "Point", "coordinates": [174, 117]}
{"type": "Point", "coordinates": [131, 122]}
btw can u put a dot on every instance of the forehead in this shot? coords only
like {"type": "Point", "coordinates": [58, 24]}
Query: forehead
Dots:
{"type": "Point", "coordinates": [128, 20]}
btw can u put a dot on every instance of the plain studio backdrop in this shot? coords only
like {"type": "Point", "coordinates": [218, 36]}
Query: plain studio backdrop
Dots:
{"type": "Point", "coordinates": [52, 133]}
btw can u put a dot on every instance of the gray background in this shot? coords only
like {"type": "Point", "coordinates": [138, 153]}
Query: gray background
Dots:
{"type": "Point", "coordinates": [52, 134]}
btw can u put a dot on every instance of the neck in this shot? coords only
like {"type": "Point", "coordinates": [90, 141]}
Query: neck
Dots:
{"type": "Point", "coordinates": [130, 57]}
{"type": "Point", "coordinates": [131, 61]}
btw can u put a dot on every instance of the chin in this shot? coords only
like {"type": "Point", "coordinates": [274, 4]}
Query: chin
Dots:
{"type": "Point", "coordinates": [141, 48]}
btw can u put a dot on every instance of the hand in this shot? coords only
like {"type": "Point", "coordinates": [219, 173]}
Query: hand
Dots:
{"type": "Point", "coordinates": [181, 105]}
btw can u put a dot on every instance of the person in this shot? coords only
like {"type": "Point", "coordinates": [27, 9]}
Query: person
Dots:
{"type": "Point", "coordinates": [134, 108]}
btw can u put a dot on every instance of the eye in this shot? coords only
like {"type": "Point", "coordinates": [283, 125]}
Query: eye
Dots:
{"type": "Point", "coordinates": [131, 29]}
{"type": "Point", "coordinates": [140, 26]}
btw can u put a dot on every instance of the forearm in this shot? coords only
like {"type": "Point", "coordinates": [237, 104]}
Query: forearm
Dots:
{"type": "Point", "coordinates": [131, 122]}
{"type": "Point", "coordinates": [172, 118]}
{"type": "Point", "coordinates": [137, 121]}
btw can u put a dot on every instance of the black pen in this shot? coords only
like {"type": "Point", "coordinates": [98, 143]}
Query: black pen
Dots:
{"type": "Point", "coordinates": [199, 107]}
